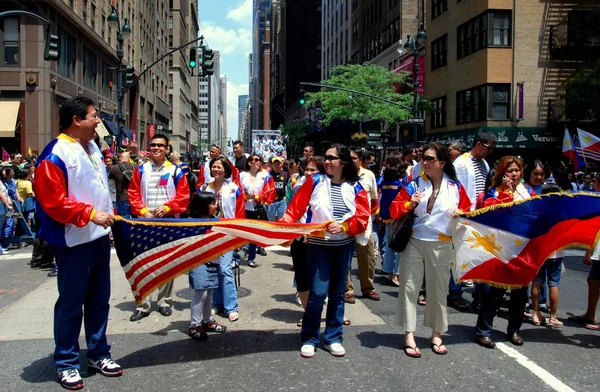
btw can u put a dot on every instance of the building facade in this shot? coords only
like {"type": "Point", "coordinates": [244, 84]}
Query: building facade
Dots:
{"type": "Point", "coordinates": [241, 109]}
{"type": "Point", "coordinates": [260, 78]}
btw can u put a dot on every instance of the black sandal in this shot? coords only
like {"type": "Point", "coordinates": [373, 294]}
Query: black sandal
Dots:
{"type": "Point", "coordinates": [197, 333]}
{"type": "Point", "coordinates": [213, 326]}
{"type": "Point", "coordinates": [415, 348]}
{"type": "Point", "coordinates": [439, 346]}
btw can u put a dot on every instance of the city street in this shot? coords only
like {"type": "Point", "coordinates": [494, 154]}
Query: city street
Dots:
{"type": "Point", "coordinates": [261, 351]}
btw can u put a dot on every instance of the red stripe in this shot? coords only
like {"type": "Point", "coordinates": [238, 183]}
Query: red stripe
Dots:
{"type": "Point", "coordinates": [267, 233]}
{"type": "Point", "coordinates": [522, 269]}
{"type": "Point", "coordinates": [204, 241]}
{"type": "Point", "coordinates": [151, 258]}
{"type": "Point", "coordinates": [189, 264]}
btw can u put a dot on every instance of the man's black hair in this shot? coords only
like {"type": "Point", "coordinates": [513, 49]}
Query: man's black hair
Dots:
{"type": "Point", "coordinates": [484, 137]}
{"type": "Point", "coordinates": [72, 107]}
{"type": "Point", "coordinates": [161, 136]}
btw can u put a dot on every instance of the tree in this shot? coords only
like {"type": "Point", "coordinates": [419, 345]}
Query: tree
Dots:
{"type": "Point", "coordinates": [583, 95]}
{"type": "Point", "coordinates": [295, 133]}
{"type": "Point", "coordinates": [369, 79]}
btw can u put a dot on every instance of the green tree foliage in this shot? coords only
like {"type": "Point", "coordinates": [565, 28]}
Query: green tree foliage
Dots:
{"type": "Point", "coordinates": [583, 95]}
{"type": "Point", "coordinates": [369, 79]}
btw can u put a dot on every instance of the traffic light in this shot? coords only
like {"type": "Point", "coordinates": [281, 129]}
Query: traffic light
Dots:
{"type": "Point", "coordinates": [207, 61]}
{"type": "Point", "coordinates": [193, 58]}
{"type": "Point", "coordinates": [51, 52]}
{"type": "Point", "coordinates": [129, 78]}
{"type": "Point", "coordinates": [302, 99]}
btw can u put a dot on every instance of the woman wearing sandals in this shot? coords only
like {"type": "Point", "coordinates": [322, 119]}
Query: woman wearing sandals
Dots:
{"type": "Point", "coordinates": [436, 197]}
{"type": "Point", "coordinates": [338, 198]}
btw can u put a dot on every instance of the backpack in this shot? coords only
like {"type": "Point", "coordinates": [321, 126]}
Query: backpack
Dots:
{"type": "Point", "coordinates": [127, 173]}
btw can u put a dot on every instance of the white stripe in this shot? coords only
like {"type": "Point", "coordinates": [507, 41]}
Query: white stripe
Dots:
{"type": "Point", "coordinates": [594, 155]}
{"type": "Point", "coordinates": [528, 364]}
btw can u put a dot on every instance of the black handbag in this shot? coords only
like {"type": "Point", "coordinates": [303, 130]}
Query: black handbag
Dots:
{"type": "Point", "coordinates": [400, 231]}
{"type": "Point", "coordinates": [260, 212]}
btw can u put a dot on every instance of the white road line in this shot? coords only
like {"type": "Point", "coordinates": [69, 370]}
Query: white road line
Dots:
{"type": "Point", "coordinates": [528, 364]}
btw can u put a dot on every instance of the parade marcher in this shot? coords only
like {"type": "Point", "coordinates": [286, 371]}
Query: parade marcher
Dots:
{"type": "Point", "coordinates": [122, 173]}
{"type": "Point", "coordinates": [112, 186]}
{"type": "Point", "coordinates": [204, 176]}
{"type": "Point", "coordinates": [239, 156]}
{"type": "Point", "coordinates": [436, 198]}
{"type": "Point", "coordinates": [230, 205]}
{"type": "Point", "coordinates": [309, 150]}
{"type": "Point", "coordinates": [338, 198]}
{"type": "Point", "coordinates": [75, 219]}
{"type": "Point", "coordinates": [204, 278]}
{"type": "Point", "coordinates": [158, 190]}
{"type": "Point", "coordinates": [506, 187]}
{"type": "Point", "coordinates": [365, 246]}
{"type": "Point", "coordinates": [456, 148]}
{"type": "Point", "coordinates": [276, 209]}
{"type": "Point", "coordinates": [10, 223]}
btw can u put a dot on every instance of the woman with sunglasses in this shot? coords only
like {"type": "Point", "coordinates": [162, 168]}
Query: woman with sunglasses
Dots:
{"type": "Point", "coordinates": [336, 197]}
{"type": "Point", "coordinates": [506, 187]}
{"type": "Point", "coordinates": [436, 197]}
{"type": "Point", "coordinates": [259, 191]}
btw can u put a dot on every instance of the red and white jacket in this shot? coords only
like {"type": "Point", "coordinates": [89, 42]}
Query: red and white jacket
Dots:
{"type": "Point", "coordinates": [232, 199]}
{"type": "Point", "coordinates": [263, 188]}
{"type": "Point", "coordinates": [314, 199]}
{"type": "Point", "coordinates": [434, 226]}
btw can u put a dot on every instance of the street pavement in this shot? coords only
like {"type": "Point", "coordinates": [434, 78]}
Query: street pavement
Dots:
{"type": "Point", "coordinates": [260, 352]}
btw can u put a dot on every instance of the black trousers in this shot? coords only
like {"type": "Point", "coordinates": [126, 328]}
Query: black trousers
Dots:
{"type": "Point", "coordinates": [300, 260]}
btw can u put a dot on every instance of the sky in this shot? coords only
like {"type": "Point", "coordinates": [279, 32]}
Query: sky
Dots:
{"type": "Point", "coordinates": [227, 27]}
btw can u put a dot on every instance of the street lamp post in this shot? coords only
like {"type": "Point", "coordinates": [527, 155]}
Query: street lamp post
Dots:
{"type": "Point", "coordinates": [122, 33]}
{"type": "Point", "coordinates": [416, 44]}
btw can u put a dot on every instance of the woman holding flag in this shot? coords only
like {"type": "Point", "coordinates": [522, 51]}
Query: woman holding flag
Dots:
{"type": "Point", "coordinates": [506, 187]}
{"type": "Point", "coordinates": [429, 250]}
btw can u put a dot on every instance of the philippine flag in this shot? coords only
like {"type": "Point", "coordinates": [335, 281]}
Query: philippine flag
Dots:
{"type": "Point", "coordinates": [164, 180]}
{"type": "Point", "coordinates": [505, 245]}
{"type": "Point", "coordinates": [570, 152]}
{"type": "Point", "coordinates": [588, 141]}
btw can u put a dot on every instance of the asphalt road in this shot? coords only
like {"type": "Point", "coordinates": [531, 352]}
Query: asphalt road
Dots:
{"type": "Point", "coordinates": [260, 352]}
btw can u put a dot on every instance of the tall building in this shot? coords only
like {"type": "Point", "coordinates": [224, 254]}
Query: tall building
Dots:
{"type": "Point", "coordinates": [183, 93]}
{"type": "Point", "coordinates": [241, 110]}
{"type": "Point", "coordinates": [223, 102]}
{"type": "Point", "coordinates": [503, 66]}
{"type": "Point", "coordinates": [261, 65]}
{"type": "Point", "coordinates": [33, 89]}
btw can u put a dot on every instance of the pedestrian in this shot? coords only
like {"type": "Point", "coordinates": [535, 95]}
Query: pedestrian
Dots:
{"type": "Point", "coordinates": [158, 190]}
{"type": "Point", "coordinates": [239, 156]}
{"type": "Point", "coordinates": [204, 278]}
{"type": "Point", "coordinates": [336, 197]}
{"type": "Point", "coordinates": [122, 173]}
{"type": "Point", "coordinates": [276, 208]}
{"type": "Point", "coordinates": [71, 186]}
{"type": "Point", "coordinates": [429, 250]}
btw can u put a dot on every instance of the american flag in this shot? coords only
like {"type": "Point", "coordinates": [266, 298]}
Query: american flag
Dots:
{"type": "Point", "coordinates": [589, 155]}
{"type": "Point", "coordinates": [155, 251]}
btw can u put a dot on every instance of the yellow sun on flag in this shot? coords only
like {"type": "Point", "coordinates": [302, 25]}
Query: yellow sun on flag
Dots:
{"type": "Point", "coordinates": [518, 242]}
{"type": "Point", "coordinates": [487, 242]}
{"type": "Point", "coordinates": [464, 267]}
{"type": "Point", "coordinates": [587, 139]}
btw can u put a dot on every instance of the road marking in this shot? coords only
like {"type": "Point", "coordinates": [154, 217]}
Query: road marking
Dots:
{"type": "Point", "coordinates": [528, 364]}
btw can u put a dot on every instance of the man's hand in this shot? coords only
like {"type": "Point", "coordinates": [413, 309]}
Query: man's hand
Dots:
{"type": "Point", "coordinates": [103, 219]}
{"type": "Point", "coordinates": [335, 228]}
{"type": "Point", "coordinates": [148, 215]}
{"type": "Point", "coordinates": [415, 200]}
{"type": "Point", "coordinates": [587, 258]}
{"type": "Point", "coordinates": [160, 212]}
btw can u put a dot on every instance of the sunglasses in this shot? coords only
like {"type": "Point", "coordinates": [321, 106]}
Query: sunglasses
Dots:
{"type": "Point", "coordinates": [256, 160]}
{"type": "Point", "coordinates": [307, 151]}
{"type": "Point", "coordinates": [490, 148]}
{"type": "Point", "coordinates": [429, 159]}
{"type": "Point", "coordinates": [330, 158]}
{"type": "Point", "coordinates": [159, 145]}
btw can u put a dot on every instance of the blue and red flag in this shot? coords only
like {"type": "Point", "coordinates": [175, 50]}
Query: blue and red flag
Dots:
{"type": "Point", "coordinates": [164, 180]}
{"type": "Point", "coordinates": [155, 251]}
{"type": "Point", "coordinates": [570, 151]}
{"type": "Point", "coordinates": [505, 245]}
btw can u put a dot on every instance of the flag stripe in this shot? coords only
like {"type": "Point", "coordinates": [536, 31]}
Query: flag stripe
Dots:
{"type": "Point", "coordinates": [588, 154]}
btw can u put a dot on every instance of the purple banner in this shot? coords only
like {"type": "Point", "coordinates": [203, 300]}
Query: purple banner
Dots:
{"type": "Point", "coordinates": [520, 91]}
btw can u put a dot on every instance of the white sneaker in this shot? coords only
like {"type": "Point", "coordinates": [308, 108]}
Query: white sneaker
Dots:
{"type": "Point", "coordinates": [307, 351]}
{"type": "Point", "coordinates": [70, 379]}
{"type": "Point", "coordinates": [298, 301]}
{"type": "Point", "coordinates": [106, 366]}
{"type": "Point", "coordinates": [335, 349]}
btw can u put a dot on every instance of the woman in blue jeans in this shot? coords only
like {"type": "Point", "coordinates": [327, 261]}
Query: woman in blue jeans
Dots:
{"type": "Point", "coordinates": [336, 197]}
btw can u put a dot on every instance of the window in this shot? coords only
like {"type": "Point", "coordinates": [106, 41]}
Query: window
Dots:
{"type": "Point", "coordinates": [473, 35]}
{"type": "Point", "coordinates": [10, 40]}
{"type": "Point", "coordinates": [107, 79]}
{"type": "Point", "coordinates": [354, 5]}
{"type": "Point", "coordinates": [499, 99]}
{"type": "Point", "coordinates": [501, 28]}
{"type": "Point", "coordinates": [68, 54]}
{"type": "Point", "coordinates": [84, 7]}
{"type": "Point", "coordinates": [439, 52]}
{"type": "Point", "coordinates": [355, 31]}
{"type": "Point", "coordinates": [89, 69]}
{"type": "Point", "coordinates": [170, 22]}
{"type": "Point", "coordinates": [471, 105]}
{"type": "Point", "coordinates": [438, 117]}
{"type": "Point", "coordinates": [438, 7]}
{"type": "Point", "coordinates": [93, 17]}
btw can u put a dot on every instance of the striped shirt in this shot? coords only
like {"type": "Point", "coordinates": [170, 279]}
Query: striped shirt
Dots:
{"type": "Point", "coordinates": [480, 175]}
{"type": "Point", "coordinates": [339, 210]}
{"type": "Point", "coordinates": [157, 194]}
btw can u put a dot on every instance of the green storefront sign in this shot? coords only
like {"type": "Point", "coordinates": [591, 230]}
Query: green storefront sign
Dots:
{"type": "Point", "coordinates": [508, 137]}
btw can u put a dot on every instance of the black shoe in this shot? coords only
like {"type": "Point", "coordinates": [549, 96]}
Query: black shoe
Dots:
{"type": "Point", "coordinates": [545, 309]}
{"type": "Point", "coordinates": [165, 311]}
{"type": "Point", "coordinates": [35, 264]}
{"type": "Point", "coordinates": [261, 251]}
{"type": "Point", "coordinates": [515, 339]}
{"type": "Point", "coordinates": [138, 315]}
{"type": "Point", "coordinates": [485, 341]}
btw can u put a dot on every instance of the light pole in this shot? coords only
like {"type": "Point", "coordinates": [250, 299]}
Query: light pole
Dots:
{"type": "Point", "coordinates": [416, 44]}
{"type": "Point", "coordinates": [122, 33]}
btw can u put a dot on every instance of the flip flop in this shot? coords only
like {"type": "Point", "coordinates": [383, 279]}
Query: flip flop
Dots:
{"type": "Point", "coordinates": [592, 327]}
{"type": "Point", "coordinates": [580, 319]}
{"type": "Point", "coordinates": [299, 323]}
{"type": "Point", "coordinates": [553, 323]}
{"type": "Point", "coordinates": [436, 348]}
{"type": "Point", "coordinates": [415, 348]}
{"type": "Point", "coordinates": [346, 322]}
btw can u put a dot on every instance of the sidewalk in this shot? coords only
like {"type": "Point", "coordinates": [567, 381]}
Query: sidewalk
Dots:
{"type": "Point", "coordinates": [266, 302]}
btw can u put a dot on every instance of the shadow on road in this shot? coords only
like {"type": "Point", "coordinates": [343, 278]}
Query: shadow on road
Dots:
{"type": "Point", "coordinates": [283, 266]}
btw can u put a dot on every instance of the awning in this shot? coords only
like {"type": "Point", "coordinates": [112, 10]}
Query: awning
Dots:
{"type": "Point", "coordinates": [112, 127]}
{"type": "Point", "coordinates": [102, 131]}
{"type": "Point", "coordinates": [128, 133]}
{"type": "Point", "coordinates": [508, 137]}
{"type": "Point", "coordinates": [9, 111]}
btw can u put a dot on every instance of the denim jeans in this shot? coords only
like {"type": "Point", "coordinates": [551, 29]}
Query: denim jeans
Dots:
{"type": "Point", "coordinates": [225, 296]}
{"type": "Point", "coordinates": [124, 209]}
{"type": "Point", "coordinates": [391, 259]}
{"type": "Point", "coordinates": [8, 230]}
{"type": "Point", "coordinates": [328, 268]}
{"type": "Point", "coordinates": [490, 303]}
{"type": "Point", "coordinates": [454, 288]}
{"type": "Point", "coordinates": [276, 209]}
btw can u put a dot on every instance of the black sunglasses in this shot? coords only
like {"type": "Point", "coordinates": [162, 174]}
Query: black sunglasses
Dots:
{"type": "Point", "coordinates": [159, 145]}
{"type": "Point", "coordinates": [429, 158]}
{"type": "Point", "coordinates": [330, 158]}
{"type": "Point", "coordinates": [490, 148]}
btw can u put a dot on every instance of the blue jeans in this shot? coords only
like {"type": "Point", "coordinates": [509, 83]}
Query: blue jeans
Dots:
{"type": "Point", "coordinates": [124, 209]}
{"type": "Point", "coordinates": [83, 283]}
{"type": "Point", "coordinates": [454, 288]}
{"type": "Point", "coordinates": [490, 303]}
{"type": "Point", "coordinates": [276, 209]}
{"type": "Point", "coordinates": [391, 259]}
{"type": "Point", "coordinates": [379, 237]}
{"type": "Point", "coordinates": [328, 272]}
{"type": "Point", "coordinates": [8, 230]}
{"type": "Point", "coordinates": [225, 296]}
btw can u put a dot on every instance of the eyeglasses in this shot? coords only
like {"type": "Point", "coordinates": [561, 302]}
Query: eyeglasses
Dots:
{"type": "Point", "coordinates": [159, 145]}
{"type": "Point", "coordinates": [307, 151]}
{"type": "Point", "coordinates": [429, 159]}
{"type": "Point", "coordinates": [256, 160]}
{"type": "Point", "coordinates": [330, 158]}
{"type": "Point", "coordinates": [490, 148]}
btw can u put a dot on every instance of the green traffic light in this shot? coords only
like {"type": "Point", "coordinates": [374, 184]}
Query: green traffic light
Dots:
{"type": "Point", "coordinates": [192, 64]}
{"type": "Point", "coordinates": [302, 101]}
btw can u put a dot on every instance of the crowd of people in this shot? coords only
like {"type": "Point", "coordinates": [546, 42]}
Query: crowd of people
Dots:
{"type": "Point", "coordinates": [344, 187]}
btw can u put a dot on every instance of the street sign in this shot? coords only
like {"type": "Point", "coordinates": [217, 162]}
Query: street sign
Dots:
{"type": "Point", "coordinates": [415, 120]}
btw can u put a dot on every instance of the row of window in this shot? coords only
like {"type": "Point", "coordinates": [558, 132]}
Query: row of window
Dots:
{"type": "Point", "coordinates": [481, 103]}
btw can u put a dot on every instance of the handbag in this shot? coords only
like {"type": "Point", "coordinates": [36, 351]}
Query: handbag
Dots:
{"type": "Point", "coordinates": [400, 231]}
{"type": "Point", "coordinates": [260, 212]}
